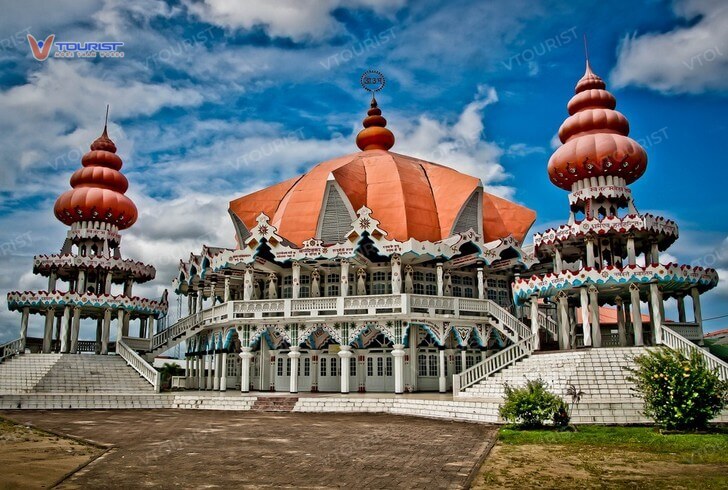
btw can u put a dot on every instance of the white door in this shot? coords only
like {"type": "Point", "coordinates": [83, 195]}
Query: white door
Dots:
{"type": "Point", "coordinates": [329, 372]}
{"type": "Point", "coordinates": [380, 372]}
{"type": "Point", "coordinates": [428, 373]}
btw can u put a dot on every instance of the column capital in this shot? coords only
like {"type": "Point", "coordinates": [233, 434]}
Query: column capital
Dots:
{"type": "Point", "coordinates": [345, 352]}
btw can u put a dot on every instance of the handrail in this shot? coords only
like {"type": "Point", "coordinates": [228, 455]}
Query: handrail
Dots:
{"type": "Point", "coordinates": [548, 324]}
{"type": "Point", "coordinates": [9, 349]}
{"type": "Point", "coordinates": [507, 318]}
{"type": "Point", "coordinates": [492, 364]}
{"type": "Point", "coordinates": [675, 341]}
{"type": "Point", "coordinates": [141, 366]}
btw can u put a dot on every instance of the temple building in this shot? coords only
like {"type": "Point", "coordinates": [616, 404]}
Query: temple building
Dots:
{"type": "Point", "coordinates": [374, 271]}
{"type": "Point", "coordinates": [89, 265]}
{"type": "Point", "coordinates": [608, 253]}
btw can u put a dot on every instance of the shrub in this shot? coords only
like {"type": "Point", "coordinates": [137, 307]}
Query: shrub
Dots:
{"type": "Point", "coordinates": [532, 405]}
{"type": "Point", "coordinates": [679, 392]}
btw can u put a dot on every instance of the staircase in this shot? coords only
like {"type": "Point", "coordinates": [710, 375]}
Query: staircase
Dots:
{"type": "Point", "coordinates": [600, 373]}
{"type": "Point", "coordinates": [20, 374]}
{"type": "Point", "coordinates": [274, 403]}
{"type": "Point", "coordinates": [70, 373]}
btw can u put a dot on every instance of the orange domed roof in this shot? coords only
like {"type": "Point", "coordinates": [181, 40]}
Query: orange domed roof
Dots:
{"type": "Point", "coordinates": [595, 137]}
{"type": "Point", "coordinates": [409, 197]}
{"type": "Point", "coordinates": [98, 189]}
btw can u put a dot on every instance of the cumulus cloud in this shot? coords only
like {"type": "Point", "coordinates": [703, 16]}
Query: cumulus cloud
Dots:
{"type": "Point", "coordinates": [692, 58]}
{"type": "Point", "coordinates": [461, 145]}
{"type": "Point", "coordinates": [294, 19]}
{"type": "Point", "coordinates": [61, 110]}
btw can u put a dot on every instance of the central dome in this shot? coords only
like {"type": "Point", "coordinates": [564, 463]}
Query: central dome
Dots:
{"type": "Point", "coordinates": [410, 198]}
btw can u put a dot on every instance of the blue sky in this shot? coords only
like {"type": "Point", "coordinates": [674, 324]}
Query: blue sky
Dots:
{"type": "Point", "coordinates": [214, 99]}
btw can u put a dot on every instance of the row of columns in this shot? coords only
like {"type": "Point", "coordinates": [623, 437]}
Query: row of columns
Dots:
{"type": "Point", "coordinates": [68, 326]}
{"type": "Point", "coordinates": [210, 371]}
{"type": "Point", "coordinates": [591, 328]}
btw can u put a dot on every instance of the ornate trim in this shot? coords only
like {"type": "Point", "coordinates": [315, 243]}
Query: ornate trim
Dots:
{"type": "Point", "coordinates": [672, 277]}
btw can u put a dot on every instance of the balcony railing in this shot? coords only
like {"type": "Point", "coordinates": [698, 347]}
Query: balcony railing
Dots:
{"type": "Point", "coordinates": [308, 308]}
{"type": "Point", "coordinates": [690, 331]}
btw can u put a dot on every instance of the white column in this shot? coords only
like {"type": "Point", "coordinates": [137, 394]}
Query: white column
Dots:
{"type": "Point", "coordinates": [24, 327]}
{"type": "Point", "coordinates": [315, 359]}
{"type": "Point", "coordinates": [697, 313]}
{"type": "Point", "coordinates": [441, 371]}
{"type": "Point", "coordinates": [656, 300]}
{"type": "Point", "coordinates": [223, 372]}
{"type": "Point", "coordinates": [246, 355]}
{"type": "Point", "coordinates": [213, 296]}
{"type": "Point", "coordinates": [201, 372]}
{"type": "Point", "coordinates": [594, 310]}
{"type": "Point", "coordinates": [481, 284]}
{"type": "Point", "coordinates": [210, 371]}
{"type": "Point", "coordinates": [634, 292]}
{"type": "Point", "coordinates": [585, 317]}
{"type": "Point", "coordinates": [216, 358]}
{"type": "Point", "coordinates": [414, 340]}
{"type": "Point", "coordinates": [631, 254]}
{"type": "Point", "coordinates": [440, 285]}
{"type": "Point", "coordinates": [150, 327]}
{"type": "Point", "coordinates": [558, 262]}
{"type": "Point", "coordinates": [48, 331]}
{"type": "Point", "coordinates": [564, 326]}
{"type": "Point", "coordinates": [344, 284]}
{"type": "Point", "coordinates": [620, 322]}
{"type": "Point", "coordinates": [105, 331]}
{"type": "Point", "coordinates": [398, 353]}
{"type": "Point", "coordinates": [463, 359]}
{"type": "Point", "coordinates": [81, 284]}
{"type": "Point", "coordinates": [294, 355]}
{"type": "Point", "coordinates": [107, 285]}
{"type": "Point", "coordinates": [534, 323]}
{"type": "Point", "coordinates": [589, 252]}
{"type": "Point", "coordinates": [248, 284]}
{"type": "Point", "coordinates": [119, 325]}
{"type": "Point", "coordinates": [396, 265]}
{"type": "Point", "coordinates": [681, 317]}
{"type": "Point", "coordinates": [201, 299]}
{"type": "Point", "coordinates": [52, 278]}
{"type": "Point", "coordinates": [65, 321]}
{"type": "Point", "coordinates": [655, 252]}
{"type": "Point", "coordinates": [296, 280]}
{"type": "Point", "coordinates": [345, 355]}
{"type": "Point", "coordinates": [226, 294]}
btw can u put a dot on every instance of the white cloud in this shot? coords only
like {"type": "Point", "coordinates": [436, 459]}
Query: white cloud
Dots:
{"type": "Point", "coordinates": [461, 145]}
{"type": "Point", "coordinates": [299, 20]}
{"type": "Point", "coordinates": [49, 121]}
{"type": "Point", "coordinates": [688, 59]}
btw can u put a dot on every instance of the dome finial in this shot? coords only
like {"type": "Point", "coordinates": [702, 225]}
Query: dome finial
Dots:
{"type": "Point", "coordinates": [586, 54]}
{"type": "Point", "coordinates": [103, 142]}
{"type": "Point", "coordinates": [375, 135]}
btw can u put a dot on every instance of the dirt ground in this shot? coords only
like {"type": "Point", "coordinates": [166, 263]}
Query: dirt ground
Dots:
{"type": "Point", "coordinates": [178, 448]}
{"type": "Point", "coordinates": [31, 458]}
{"type": "Point", "coordinates": [559, 467]}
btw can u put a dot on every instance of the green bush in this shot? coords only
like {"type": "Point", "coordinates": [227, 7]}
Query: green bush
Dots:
{"type": "Point", "coordinates": [680, 393]}
{"type": "Point", "coordinates": [529, 407]}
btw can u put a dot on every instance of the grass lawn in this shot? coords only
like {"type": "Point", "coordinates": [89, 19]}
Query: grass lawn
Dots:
{"type": "Point", "coordinates": [606, 457]}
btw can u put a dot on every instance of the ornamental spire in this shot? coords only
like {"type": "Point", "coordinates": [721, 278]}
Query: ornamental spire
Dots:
{"type": "Point", "coordinates": [596, 138]}
{"type": "Point", "coordinates": [98, 188]}
{"type": "Point", "coordinates": [375, 135]}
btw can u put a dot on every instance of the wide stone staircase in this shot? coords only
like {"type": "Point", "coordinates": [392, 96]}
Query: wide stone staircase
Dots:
{"type": "Point", "coordinates": [20, 374]}
{"type": "Point", "coordinates": [599, 373]}
{"type": "Point", "coordinates": [70, 373]}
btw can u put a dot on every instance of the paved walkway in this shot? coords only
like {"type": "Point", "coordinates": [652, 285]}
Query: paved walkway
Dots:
{"type": "Point", "coordinates": [178, 448]}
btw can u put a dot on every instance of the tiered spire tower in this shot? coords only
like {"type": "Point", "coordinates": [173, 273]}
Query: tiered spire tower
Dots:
{"type": "Point", "coordinates": [90, 262]}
